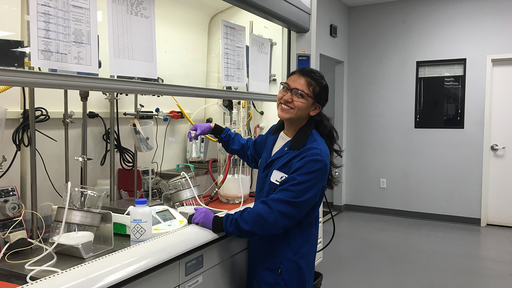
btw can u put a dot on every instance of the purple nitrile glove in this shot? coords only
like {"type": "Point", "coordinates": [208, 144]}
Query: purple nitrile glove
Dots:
{"type": "Point", "coordinates": [201, 129]}
{"type": "Point", "coordinates": [203, 217]}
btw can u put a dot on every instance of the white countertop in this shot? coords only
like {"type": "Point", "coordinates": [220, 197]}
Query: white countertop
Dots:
{"type": "Point", "coordinates": [123, 264]}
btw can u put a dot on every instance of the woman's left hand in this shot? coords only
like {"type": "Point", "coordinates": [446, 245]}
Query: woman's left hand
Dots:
{"type": "Point", "coordinates": [203, 217]}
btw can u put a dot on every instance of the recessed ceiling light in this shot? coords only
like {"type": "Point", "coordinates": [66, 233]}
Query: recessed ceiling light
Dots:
{"type": "Point", "coordinates": [24, 49]}
{"type": "Point", "coordinates": [5, 33]}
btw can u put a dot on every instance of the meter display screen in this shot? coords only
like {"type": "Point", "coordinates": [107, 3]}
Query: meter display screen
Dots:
{"type": "Point", "coordinates": [165, 215]}
{"type": "Point", "coordinates": [155, 221]}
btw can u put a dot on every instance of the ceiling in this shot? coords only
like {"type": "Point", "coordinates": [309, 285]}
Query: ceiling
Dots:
{"type": "Point", "coordinates": [351, 3]}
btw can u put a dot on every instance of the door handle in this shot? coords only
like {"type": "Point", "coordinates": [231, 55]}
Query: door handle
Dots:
{"type": "Point", "coordinates": [496, 147]}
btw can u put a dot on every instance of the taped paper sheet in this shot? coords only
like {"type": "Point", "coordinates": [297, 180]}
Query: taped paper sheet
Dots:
{"type": "Point", "coordinates": [63, 35]}
{"type": "Point", "coordinates": [259, 63]}
{"type": "Point", "coordinates": [233, 60]}
{"type": "Point", "coordinates": [132, 38]}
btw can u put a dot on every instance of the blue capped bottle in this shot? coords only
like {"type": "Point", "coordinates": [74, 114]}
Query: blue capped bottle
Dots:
{"type": "Point", "coordinates": [140, 222]}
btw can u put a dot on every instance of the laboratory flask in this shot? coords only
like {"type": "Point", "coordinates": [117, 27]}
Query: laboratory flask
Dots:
{"type": "Point", "coordinates": [237, 183]}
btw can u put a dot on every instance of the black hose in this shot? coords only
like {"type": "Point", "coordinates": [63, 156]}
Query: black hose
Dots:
{"type": "Point", "coordinates": [333, 225]}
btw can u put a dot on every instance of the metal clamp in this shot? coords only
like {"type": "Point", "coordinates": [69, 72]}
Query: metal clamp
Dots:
{"type": "Point", "coordinates": [3, 159]}
{"type": "Point", "coordinates": [68, 119]}
{"type": "Point", "coordinates": [82, 158]}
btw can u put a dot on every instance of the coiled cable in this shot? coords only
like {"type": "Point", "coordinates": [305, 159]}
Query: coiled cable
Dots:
{"type": "Point", "coordinates": [21, 134]}
{"type": "Point", "coordinates": [126, 156]}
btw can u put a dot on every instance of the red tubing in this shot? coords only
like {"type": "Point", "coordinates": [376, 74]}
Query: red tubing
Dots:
{"type": "Point", "coordinates": [228, 163]}
{"type": "Point", "coordinates": [213, 195]}
{"type": "Point", "coordinates": [210, 170]}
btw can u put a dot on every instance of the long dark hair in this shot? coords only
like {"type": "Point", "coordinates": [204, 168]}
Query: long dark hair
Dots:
{"type": "Point", "coordinates": [323, 124]}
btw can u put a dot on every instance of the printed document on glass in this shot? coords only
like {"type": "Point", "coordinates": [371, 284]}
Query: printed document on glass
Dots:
{"type": "Point", "coordinates": [63, 35]}
{"type": "Point", "coordinates": [131, 38]}
{"type": "Point", "coordinates": [233, 63]}
{"type": "Point", "coordinates": [259, 63]}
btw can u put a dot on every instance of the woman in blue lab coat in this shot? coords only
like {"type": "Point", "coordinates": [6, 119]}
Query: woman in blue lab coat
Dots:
{"type": "Point", "coordinates": [295, 165]}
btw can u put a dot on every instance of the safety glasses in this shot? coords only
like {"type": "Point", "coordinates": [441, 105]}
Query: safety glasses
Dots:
{"type": "Point", "coordinates": [296, 93]}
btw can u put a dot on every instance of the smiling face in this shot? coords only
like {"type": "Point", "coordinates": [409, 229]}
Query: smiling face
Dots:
{"type": "Point", "coordinates": [295, 111]}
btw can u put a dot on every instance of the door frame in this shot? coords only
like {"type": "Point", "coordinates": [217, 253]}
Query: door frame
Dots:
{"type": "Point", "coordinates": [339, 116]}
{"type": "Point", "coordinates": [491, 59]}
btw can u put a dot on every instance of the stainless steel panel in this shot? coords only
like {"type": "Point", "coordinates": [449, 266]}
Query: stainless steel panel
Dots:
{"type": "Point", "coordinates": [231, 273]}
{"type": "Point", "coordinates": [164, 275]}
{"type": "Point", "coordinates": [212, 255]}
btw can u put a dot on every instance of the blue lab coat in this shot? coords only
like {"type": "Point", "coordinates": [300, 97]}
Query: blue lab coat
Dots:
{"type": "Point", "coordinates": [282, 226]}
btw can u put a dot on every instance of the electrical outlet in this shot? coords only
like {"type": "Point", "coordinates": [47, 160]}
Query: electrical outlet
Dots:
{"type": "Point", "coordinates": [383, 183]}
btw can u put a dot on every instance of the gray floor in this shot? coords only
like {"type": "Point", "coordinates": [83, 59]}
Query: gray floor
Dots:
{"type": "Point", "coordinates": [390, 252]}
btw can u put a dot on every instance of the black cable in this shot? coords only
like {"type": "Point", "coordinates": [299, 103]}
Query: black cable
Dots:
{"type": "Point", "coordinates": [333, 226]}
{"type": "Point", "coordinates": [105, 138]}
{"type": "Point", "coordinates": [21, 134]}
{"type": "Point", "coordinates": [126, 156]}
{"type": "Point", "coordinates": [47, 174]}
{"type": "Point", "coordinates": [254, 106]}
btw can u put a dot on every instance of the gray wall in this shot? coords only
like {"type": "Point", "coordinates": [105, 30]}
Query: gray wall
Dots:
{"type": "Point", "coordinates": [427, 170]}
{"type": "Point", "coordinates": [331, 54]}
{"type": "Point", "coordinates": [332, 12]}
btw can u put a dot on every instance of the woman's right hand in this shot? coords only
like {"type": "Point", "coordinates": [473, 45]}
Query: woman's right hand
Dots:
{"type": "Point", "coordinates": [200, 129]}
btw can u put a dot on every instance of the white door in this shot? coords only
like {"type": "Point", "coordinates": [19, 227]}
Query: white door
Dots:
{"type": "Point", "coordinates": [498, 142]}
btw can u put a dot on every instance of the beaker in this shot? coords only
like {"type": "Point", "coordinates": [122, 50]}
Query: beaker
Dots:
{"type": "Point", "coordinates": [237, 184]}
{"type": "Point", "coordinates": [85, 198]}
{"type": "Point", "coordinates": [143, 137]}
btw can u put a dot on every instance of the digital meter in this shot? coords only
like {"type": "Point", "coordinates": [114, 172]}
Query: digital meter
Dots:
{"type": "Point", "coordinates": [165, 219]}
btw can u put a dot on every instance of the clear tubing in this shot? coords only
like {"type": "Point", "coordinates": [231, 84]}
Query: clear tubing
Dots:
{"type": "Point", "coordinates": [27, 266]}
{"type": "Point", "coordinates": [202, 107]}
{"type": "Point", "coordinates": [195, 194]}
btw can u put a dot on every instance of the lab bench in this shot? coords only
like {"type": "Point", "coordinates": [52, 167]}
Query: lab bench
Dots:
{"type": "Point", "coordinates": [190, 256]}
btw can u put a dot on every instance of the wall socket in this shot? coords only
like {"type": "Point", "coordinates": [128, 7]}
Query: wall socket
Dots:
{"type": "Point", "coordinates": [382, 183]}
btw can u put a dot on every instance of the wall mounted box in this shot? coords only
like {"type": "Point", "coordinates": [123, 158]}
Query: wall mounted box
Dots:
{"type": "Point", "coordinates": [333, 31]}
